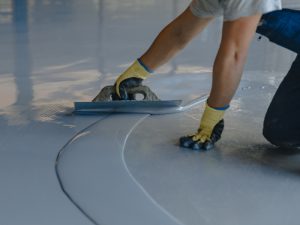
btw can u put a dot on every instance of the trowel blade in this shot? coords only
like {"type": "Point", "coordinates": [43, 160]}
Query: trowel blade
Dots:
{"type": "Point", "coordinates": [133, 106]}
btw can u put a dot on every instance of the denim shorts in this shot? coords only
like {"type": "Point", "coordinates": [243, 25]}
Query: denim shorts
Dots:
{"type": "Point", "coordinates": [233, 9]}
{"type": "Point", "coordinates": [282, 27]}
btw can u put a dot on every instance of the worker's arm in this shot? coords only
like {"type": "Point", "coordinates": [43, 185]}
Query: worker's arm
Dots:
{"type": "Point", "coordinates": [170, 41]}
{"type": "Point", "coordinates": [231, 57]}
{"type": "Point", "coordinates": [227, 71]}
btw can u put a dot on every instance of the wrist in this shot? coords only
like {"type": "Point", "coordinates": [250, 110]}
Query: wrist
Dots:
{"type": "Point", "coordinates": [136, 70]}
{"type": "Point", "coordinates": [217, 104]}
{"type": "Point", "coordinates": [223, 108]}
{"type": "Point", "coordinates": [147, 68]}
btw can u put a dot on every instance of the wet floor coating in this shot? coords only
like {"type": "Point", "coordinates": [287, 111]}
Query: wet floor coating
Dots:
{"type": "Point", "coordinates": [56, 52]}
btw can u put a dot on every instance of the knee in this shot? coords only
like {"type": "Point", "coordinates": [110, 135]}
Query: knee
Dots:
{"type": "Point", "coordinates": [273, 136]}
{"type": "Point", "coordinates": [270, 133]}
{"type": "Point", "coordinates": [280, 136]}
{"type": "Point", "coordinates": [273, 130]}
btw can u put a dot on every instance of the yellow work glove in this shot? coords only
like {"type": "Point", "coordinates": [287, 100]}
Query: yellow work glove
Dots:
{"type": "Point", "coordinates": [209, 132]}
{"type": "Point", "coordinates": [132, 77]}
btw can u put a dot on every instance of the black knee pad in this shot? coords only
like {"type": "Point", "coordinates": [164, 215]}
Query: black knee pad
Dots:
{"type": "Point", "coordinates": [270, 134]}
{"type": "Point", "coordinates": [280, 137]}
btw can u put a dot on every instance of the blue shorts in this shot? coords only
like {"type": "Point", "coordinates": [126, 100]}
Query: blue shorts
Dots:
{"type": "Point", "coordinates": [282, 27]}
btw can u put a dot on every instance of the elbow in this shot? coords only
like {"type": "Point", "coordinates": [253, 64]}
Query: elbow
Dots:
{"type": "Point", "coordinates": [240, 56]}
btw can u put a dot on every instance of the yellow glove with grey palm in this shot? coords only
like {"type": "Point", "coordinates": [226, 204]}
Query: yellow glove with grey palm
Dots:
{"type": "Point", "coordinates": [209, 132]}
{"type": "Point", "coordinates": [132, 77]}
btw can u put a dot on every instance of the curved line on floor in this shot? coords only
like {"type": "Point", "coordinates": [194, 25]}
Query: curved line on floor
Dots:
{"type": "Point", "coordinates": [127, 171]}
{"type": "Point", "coordinates": [59, 178]}
{"type": "Point", "coordinates": [80, 133]}
{"type": "Point", "coordinates": [141, 186]}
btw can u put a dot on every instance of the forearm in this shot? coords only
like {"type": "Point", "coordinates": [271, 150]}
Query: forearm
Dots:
{"type": "Point", "coordinates": [173, 38]}
{"type": "Point", "coordinates": [227, 72]}
{"type": "Point", "coordinates": [166, 45]}
{"type": "Point", "coordinates": [230, 60]}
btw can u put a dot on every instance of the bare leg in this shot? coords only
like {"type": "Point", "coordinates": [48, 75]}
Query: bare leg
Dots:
{"type": "Point", "coordinates": [173, 38]}
{"type": "Point", "coordinates": [231, 57]}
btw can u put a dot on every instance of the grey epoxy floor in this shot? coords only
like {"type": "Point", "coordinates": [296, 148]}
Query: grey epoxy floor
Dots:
{"type": "Point", "coordinates": [128, 169]}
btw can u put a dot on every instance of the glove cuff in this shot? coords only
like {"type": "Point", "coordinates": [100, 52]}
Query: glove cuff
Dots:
{"type": "Point", "coordinates": [144, 66]}
{"type": "Point", "coordinates": [136, 70]}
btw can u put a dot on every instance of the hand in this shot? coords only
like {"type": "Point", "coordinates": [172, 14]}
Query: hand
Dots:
{"type": "Point", "coordinates": [209, 132]}
{"type": "Point", "coordinates": [131, 78]}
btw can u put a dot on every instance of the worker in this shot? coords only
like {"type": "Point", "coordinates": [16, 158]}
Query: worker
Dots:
{"type": "Point", "coordinates": [240, 20]}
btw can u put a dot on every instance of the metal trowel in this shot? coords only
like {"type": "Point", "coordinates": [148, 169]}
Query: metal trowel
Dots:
{"type": "Point", "coordinates": [143, 101]}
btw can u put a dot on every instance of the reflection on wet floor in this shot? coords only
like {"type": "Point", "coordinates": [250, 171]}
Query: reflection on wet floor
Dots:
{"type": "Point", "coordinates": [56, 52]}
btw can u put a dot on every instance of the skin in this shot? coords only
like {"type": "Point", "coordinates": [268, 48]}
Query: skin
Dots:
{"type": "Point", "coordinates": [231, 57]}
